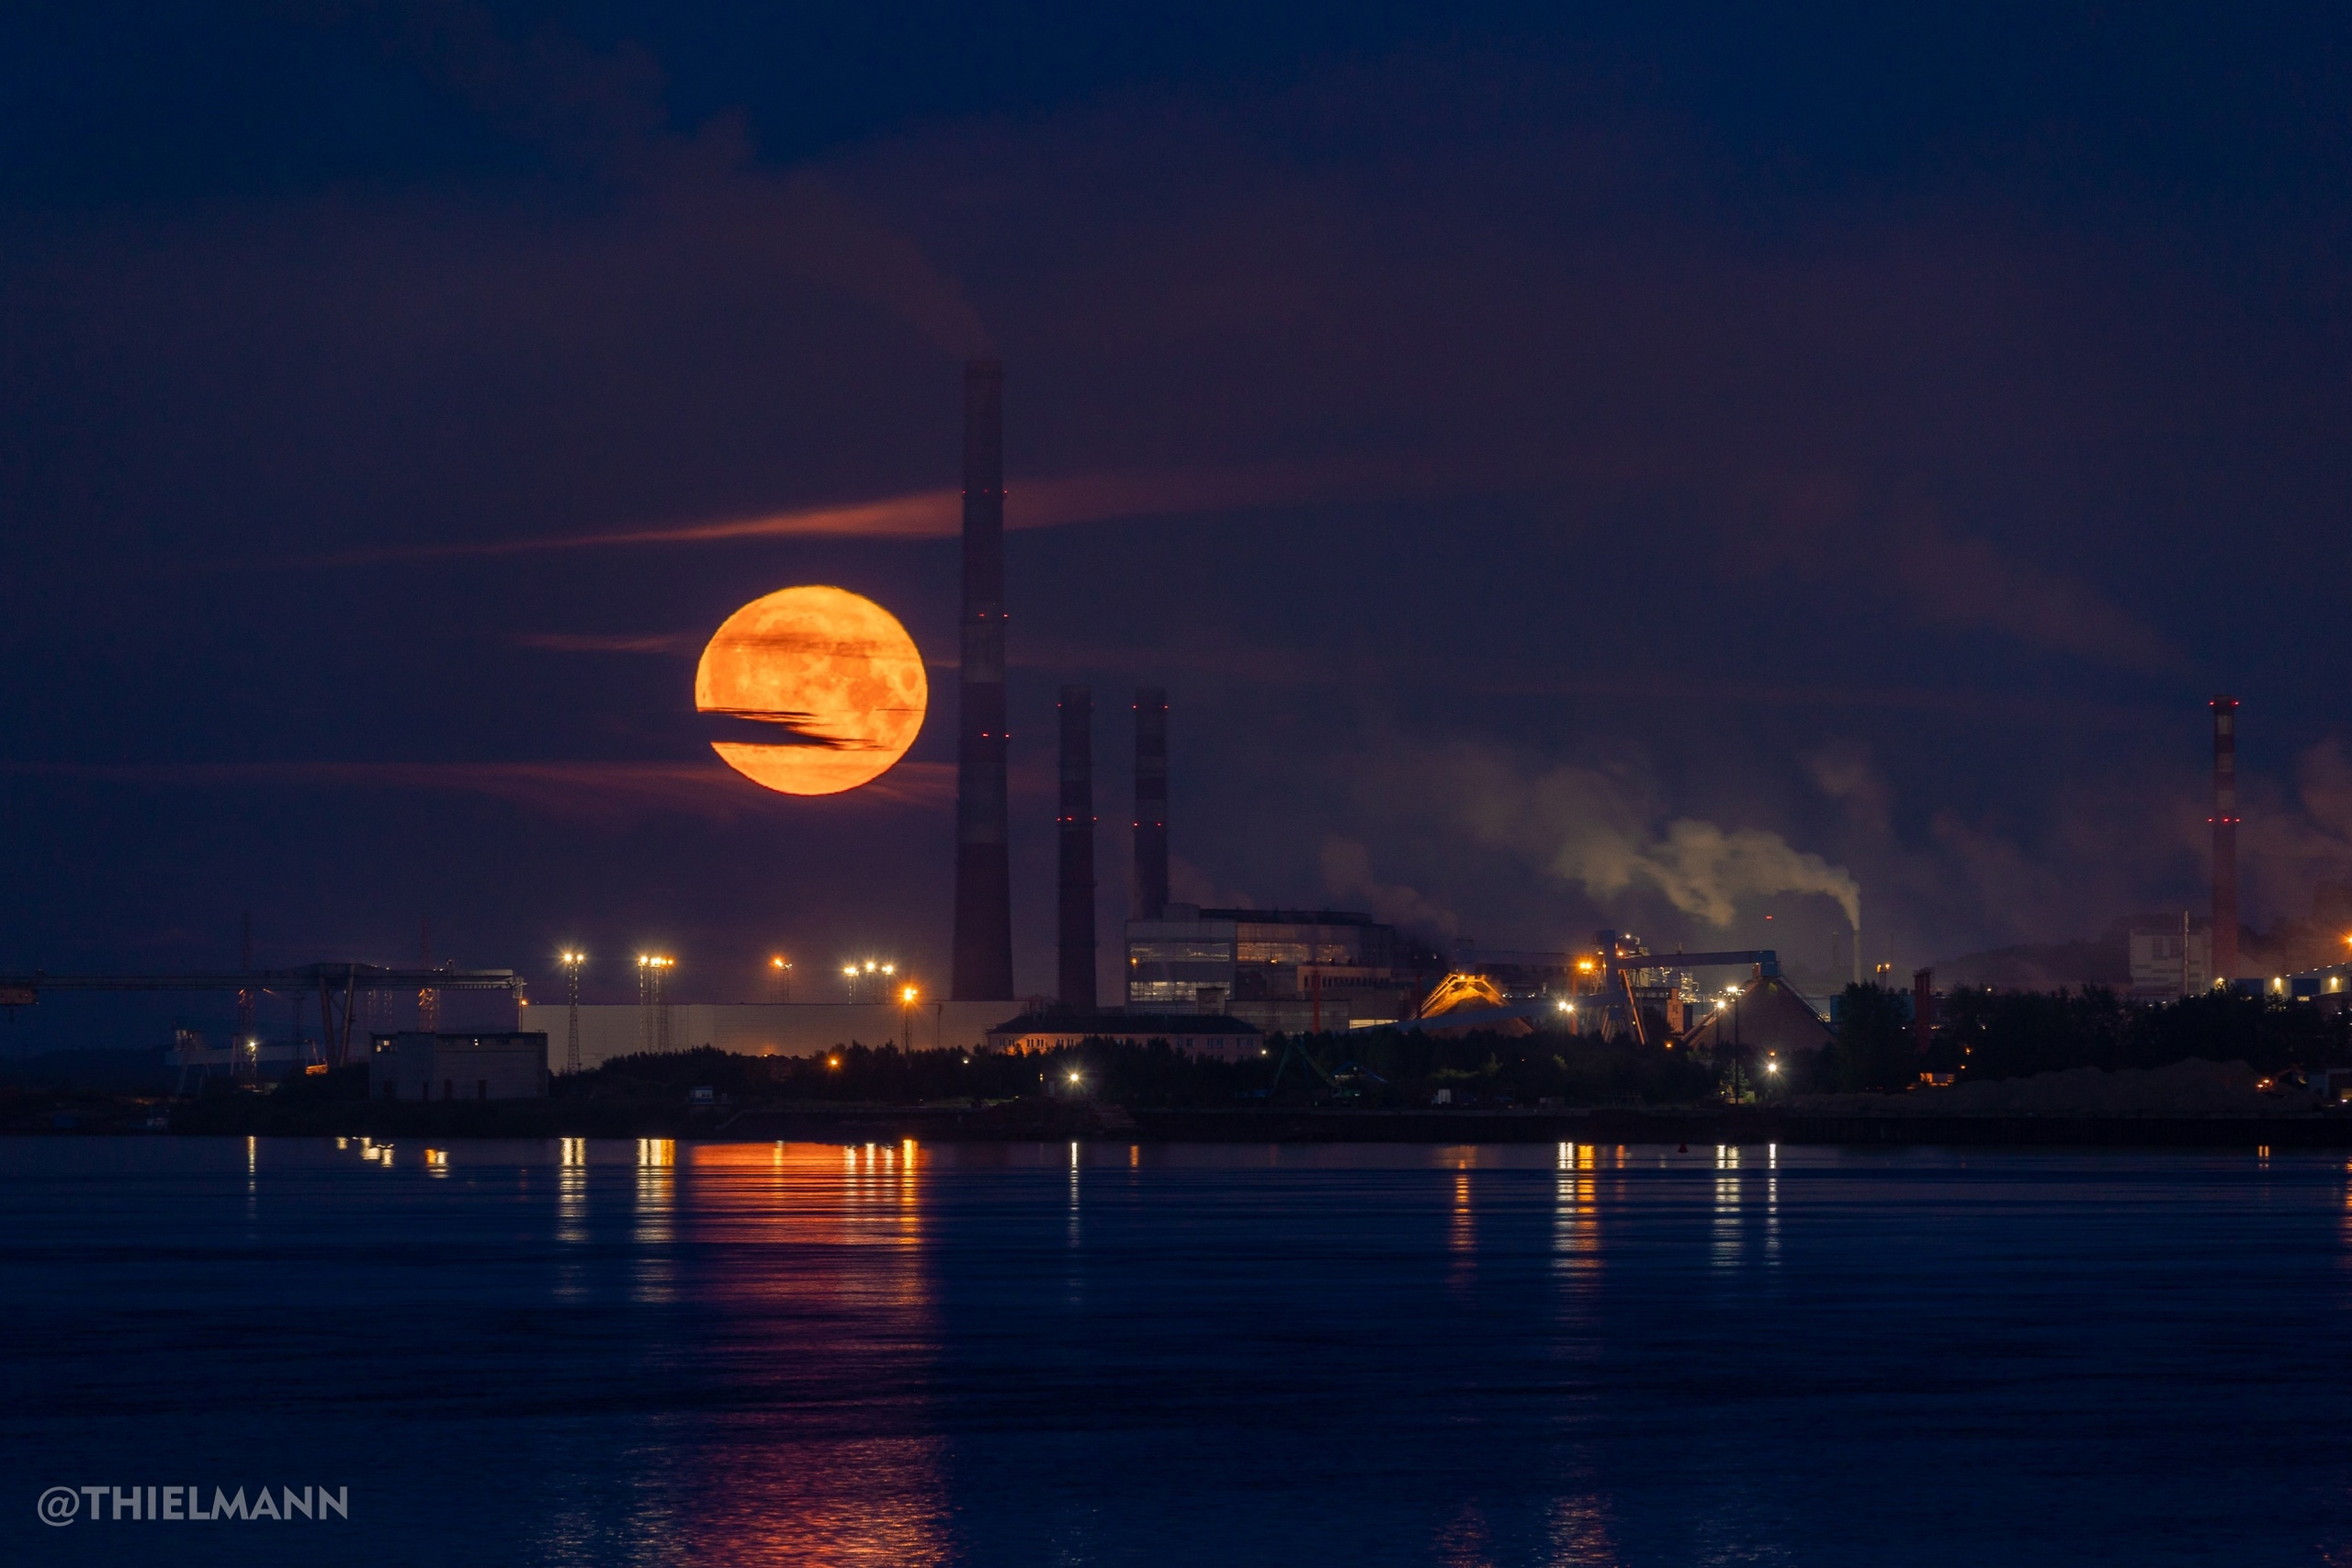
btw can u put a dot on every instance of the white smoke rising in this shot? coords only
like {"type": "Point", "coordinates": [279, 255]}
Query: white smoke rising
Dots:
{"type": "Point", "coordinates": [1705, 870]}
{"type": "Point", "coordinates": [1347, 874]}
{"type": "Point", "coordinates": [1586, 827]}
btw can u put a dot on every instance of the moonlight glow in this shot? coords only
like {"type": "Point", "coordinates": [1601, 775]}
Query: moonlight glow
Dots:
{"type": "Point", "coordinates": [836, 673]}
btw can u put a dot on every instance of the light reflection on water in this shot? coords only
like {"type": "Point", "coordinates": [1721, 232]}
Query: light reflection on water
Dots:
{"type": "Point", "coordinates": [889, 1353]}
{"type": "Point", "coordinates": [804, 1236]}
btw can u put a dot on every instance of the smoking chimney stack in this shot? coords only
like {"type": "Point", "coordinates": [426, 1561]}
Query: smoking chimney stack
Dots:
{"type": "Point", "coordinates": [2226, 840]}
{"type": "Point", "coordinates": [983, 963]}
{"type": "Point", "coordinates": [1075, 823]}
{"type": "Point", "coordinates": [1151, 802]}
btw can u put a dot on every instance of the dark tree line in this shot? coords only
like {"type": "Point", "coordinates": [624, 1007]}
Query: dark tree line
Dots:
{"type": "Point", "coordinates": [1370, 1067]}
{"type": "Point", "coordinates": [1981, 1035]}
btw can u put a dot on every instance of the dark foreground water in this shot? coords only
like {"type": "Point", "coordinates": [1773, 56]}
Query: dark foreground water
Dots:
{"type": "Point", "coordinates": [763, 1353]}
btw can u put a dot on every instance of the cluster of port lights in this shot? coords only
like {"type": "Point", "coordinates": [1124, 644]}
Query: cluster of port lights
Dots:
{"type": "Point", "coordinates": [876, 969]}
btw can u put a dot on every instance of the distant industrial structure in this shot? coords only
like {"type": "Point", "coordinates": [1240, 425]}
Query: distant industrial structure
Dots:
{"type": "Point", "coordinates": [1075, 834]}
{"type": "Point", "coordinates": [2171, 960]}
{"type": "Point", "coordinates": [341, 990]}
{"type": "Point", "coordinates": [1766, 1015]}
{"type": "Point", "coordinates": [416, 1064]}
{"type": "Point", "coordinates": [1285, 971]}
{"type": "Point", "coordinates": [1151, 804]}
{"type": "Point", "coordinates": [1310, 971]}
{"type": "Point", "coordinates": [983, 952]}
{"type": "Point", "coordinates": [2225, 838]}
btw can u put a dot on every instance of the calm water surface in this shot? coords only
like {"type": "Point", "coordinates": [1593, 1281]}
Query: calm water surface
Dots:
{"type": "Point", "coordinates": [621, 1353]}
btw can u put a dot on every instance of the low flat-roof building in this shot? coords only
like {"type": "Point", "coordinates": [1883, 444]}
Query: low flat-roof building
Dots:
{"type": "Point", "coordinates": [1198, 1033]}
{"type": "Point", "coordinates": [417, 1065]}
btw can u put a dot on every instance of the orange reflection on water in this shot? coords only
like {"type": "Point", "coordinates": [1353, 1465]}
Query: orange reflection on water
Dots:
{"type": "Point", "coordinates": [1576, 1218]}
{"type": "Point", "coordinates": [1463, 1543]}
{"type": "Point", "coordinates": [1461, 1231]}
{"type": "Point", "coordinates": [1580, 1526]}
{"type": "Point", "coordinates": [811, 1259]}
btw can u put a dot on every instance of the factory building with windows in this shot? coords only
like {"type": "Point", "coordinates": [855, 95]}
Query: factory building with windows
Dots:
{"type": "Point", "coordinates": [1282, 970]}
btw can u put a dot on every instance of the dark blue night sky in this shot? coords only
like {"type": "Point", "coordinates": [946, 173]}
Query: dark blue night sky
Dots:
{"type": "Point", "coordinates": [1571, 465]}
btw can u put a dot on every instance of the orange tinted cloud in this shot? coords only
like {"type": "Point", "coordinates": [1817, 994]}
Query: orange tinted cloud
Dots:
{"type": "Point", "coordinates": [593, 790]}
{"type": "Point", "coordinates": [938, 514]}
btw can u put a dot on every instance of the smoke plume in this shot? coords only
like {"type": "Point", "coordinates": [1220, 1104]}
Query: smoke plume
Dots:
{"type": "Point", "coordinates": [1347, 874]}
{"type": "Point", "coordinates": [1592, 829]}
{"type": "Point", "coordinates": [834, 244]}
{"type": "Point", "coordinates": [1705, 870]}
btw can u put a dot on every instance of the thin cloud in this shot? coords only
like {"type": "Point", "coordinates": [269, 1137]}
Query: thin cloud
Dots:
{"type": "Point", "coordinates": [1973, 584]}
{"type": "Point", "coordinates": [595, 791]}
{"type": "Point", "coordinates": [1821, 524]}
{"type": "Point", "coordinates": [939, 514]}
{"type": "Point", "coordinates": [590, 642]}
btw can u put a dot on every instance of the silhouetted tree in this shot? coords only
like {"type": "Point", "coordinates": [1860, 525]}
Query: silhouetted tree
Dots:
{"type": "Point", "coordinates": [1873, 1047]}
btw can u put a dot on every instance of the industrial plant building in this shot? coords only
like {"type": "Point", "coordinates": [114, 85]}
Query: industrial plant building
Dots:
{"type": "Point", "coordinates": [2172, 960]}
{"type": "Point", "coordinates": [1285, 971]}
{"type": "Point", "coordinates": [416, 1066]}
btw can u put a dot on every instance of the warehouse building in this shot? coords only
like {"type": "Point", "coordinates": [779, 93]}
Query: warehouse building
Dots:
{"type": "Point", "coordinates": [416, 1066]}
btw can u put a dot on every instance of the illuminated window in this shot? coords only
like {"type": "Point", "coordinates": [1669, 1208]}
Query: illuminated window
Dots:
{"type": "Point", "coordinates": [1193, 951]}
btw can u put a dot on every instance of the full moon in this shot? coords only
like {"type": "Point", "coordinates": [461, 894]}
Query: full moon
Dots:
{"type": "Point", "coordinates": [835, 672]}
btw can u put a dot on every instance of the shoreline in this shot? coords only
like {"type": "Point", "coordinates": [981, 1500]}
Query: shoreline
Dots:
{"type": "Point", "coordinates": [1028, 1121]}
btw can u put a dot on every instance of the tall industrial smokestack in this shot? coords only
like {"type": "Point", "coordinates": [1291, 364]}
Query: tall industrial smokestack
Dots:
{"type": "Point", "coordinates": [983, 966]}
{"type": "Point", "coordinates": [1075, 823]}
{"type": "Point", "coordinates": [1151, 802]}
{"type": "Point", "coordinates": [2225, 838]}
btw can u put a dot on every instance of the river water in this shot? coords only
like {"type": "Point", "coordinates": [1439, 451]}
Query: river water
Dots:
{"type": "Point", "coordinates": [647, 1353]}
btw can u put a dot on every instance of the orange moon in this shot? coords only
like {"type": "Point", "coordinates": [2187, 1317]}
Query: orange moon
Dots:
{"type": "Point", "coordinates": [835, 671]}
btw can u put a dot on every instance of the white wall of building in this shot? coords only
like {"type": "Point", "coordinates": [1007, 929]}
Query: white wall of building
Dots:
{"type": "Point", "coordinates": [2167, 962]}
